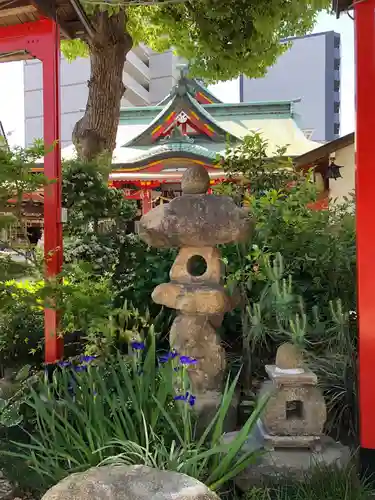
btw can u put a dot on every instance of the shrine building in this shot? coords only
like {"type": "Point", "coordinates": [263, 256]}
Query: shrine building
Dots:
{"type": "Point", "coordinates": [155, 144]}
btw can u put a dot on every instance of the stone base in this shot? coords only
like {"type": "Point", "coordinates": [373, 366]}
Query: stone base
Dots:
{"type": "Point", "coordinates": [270, 442]}
{"type": "Point", "coordinates": [206, 406]}
{"type": "Point", "coordinates": [285, 464]}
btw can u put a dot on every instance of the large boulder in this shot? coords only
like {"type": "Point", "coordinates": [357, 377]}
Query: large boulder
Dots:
{"type": "Point", "coordinates": [123, 482]}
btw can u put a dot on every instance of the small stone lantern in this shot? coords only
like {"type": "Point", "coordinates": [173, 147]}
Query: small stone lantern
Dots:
{"type": "Point", "coordinates": [289, 433]}
{"type": "Point", "coordinates": [196, 222]}
{"type": "Point", "coordinates": [296, 411]}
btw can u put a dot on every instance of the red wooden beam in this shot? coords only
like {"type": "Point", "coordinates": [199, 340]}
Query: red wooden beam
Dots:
{"type": "Point", "coordinates": [365, 126]}
{"type": "Point", "coordinates": [202, 99]}
{"type": "Point", "coordinates": [22, 33]}
{"type": "Point", "coordinates": [146, 198]}
{"type": "Point", "coordinates": [53, 242]}
{"type": "Point", "coordinates": [42, 40]}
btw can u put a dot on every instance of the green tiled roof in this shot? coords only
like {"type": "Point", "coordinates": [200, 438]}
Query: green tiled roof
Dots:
{"type": "Point", "coordinates": [231, 122]}
{"type": "Point", "coordinates": [129, 156]}
{"type": "Point", "coordinates": [180, 100]}
{"type": "Point", "coordinates": [193, 87]}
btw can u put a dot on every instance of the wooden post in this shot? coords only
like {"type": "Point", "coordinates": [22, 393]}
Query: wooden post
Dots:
{"type": "Point", "coordinates": [146, 201]}
{"type": "Point", "coordinates": [364, 14]}
{"type": "Point", "coordinates": [42, 40]}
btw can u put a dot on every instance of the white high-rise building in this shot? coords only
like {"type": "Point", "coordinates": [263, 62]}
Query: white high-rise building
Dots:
{"type": "Point", "coordinates": [147, 76]}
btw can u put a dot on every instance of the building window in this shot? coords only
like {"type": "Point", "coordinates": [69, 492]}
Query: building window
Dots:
{"type": "Point", "coordinates": [336, 107]}
{"type": "Point", "coordinates": [336, 63]}
{"type": "Point", "coordinates": [336, 85]}
{"type": "Point", "coordinates": [336, 129]}
{"type": "Point", "coordinates": [336, 42]}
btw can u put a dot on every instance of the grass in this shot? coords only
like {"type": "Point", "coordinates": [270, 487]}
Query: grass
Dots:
{"type": "Point", "coordinates": [324, 484]}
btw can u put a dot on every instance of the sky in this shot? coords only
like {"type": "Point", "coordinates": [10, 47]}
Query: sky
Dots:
{"type": "Point", "coordinates": [11, 83]}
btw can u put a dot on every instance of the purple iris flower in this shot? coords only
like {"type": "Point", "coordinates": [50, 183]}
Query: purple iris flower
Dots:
{"type": "Point", "coordinates": [189, 398]}
{"type": "Point", "coordinates": [170, 355]}
{"type": "Point", "coordinates": [65, 364]}
{"type": "Point", "coordinates": [80, 368]}
{"type": "Point", "coordinates": [182, 397]}
{"type": "Point", "coordinates": [87, 359]}
{"type": "Point", "coordinates": [192, 400]}
{"type": "Point", "coordinates": [187, 360]}
{"type": "Point", "coordinates": [139, 346]}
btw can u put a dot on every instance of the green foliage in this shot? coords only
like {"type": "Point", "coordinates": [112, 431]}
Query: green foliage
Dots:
{"type": "Point", "coordinates": [97, 216]}
{"type": "Point", "coordinates": [221, 40]}
{"type": "Point", "coordinates": [277, 314]}
{"type": "Point", "coordinates": [307, 296]}
{"type": "Point", "coordinates": [15, 172]}
{"type": "Point", "coordinates": [122, 410]}
{"type": "Point", "coordinates": [21, 334]}
{"type": "Point", "coordinates": [141, 268]}
{"type": "Point", "coordinates": [325, 483]}
{"type": "Point", "coordinates": [83, 298]}
{"type": "Point", "coordinates": [16, 180]}
{"type": "Point", "coordinates": [252, 164]}
{"type": "Point", "coordinates": [89, 200]}
{"type": "Point", "coordinates": [96, 319]}
{"type": "Point", "coordinates": [10, 415]}
{"type": "Point", "coordinates": [21, 323]}
{"type": "Point", "coordinates": [73, 49]}
{"type": "Point", "coordinates": [101, 251]}
{"type": "Point", "coordinates": [318, 246]}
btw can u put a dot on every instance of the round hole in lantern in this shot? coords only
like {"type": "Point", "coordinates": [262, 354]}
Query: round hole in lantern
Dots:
{"type": "Point", "coordinates": [196, 266]}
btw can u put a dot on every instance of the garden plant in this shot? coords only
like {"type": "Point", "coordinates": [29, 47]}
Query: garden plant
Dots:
{"type": "Point", "coordinates": [113, 400]}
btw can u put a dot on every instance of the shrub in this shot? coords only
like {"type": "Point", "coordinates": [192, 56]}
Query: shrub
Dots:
{"type": "Point", "coordinates": [279, 314]}
{"type": "Point", "coordinates": [319, 259]}
{"type": "Point", "coordinates": [141, 268]}
{"type": "Point", "coordinates": [21, 324]}
{"type": "Point", "coordinates": [89, 199]}
{"type": "Point", "coordinates": [21, 335]}
{"type": "Point", "coordinates": [16, 181]}
{"type": "Point", "coordinates": [318, 246]}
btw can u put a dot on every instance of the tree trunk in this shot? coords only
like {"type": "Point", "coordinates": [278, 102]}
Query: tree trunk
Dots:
{"type": "Point", "coordinates": [95, 132]}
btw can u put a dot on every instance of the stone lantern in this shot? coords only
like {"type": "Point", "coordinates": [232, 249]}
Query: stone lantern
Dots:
{"type": "Point", "coordinates": [196, 222]}
{"type": "Point", "coordinates": [289, 435]}
{"type": "Point", "coordinates": [296, 411]}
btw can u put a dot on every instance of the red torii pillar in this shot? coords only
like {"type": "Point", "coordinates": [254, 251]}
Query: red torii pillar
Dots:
{"type": "Point", "coordinates": [364, 14]}
{"type": "Point", "coordinates": [42, 40]}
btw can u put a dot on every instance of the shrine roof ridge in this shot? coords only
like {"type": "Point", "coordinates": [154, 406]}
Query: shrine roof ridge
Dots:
{"type": "Point", "coordinates": [251, 108]}
{"type": "Point", "coordinates": [194, 88]}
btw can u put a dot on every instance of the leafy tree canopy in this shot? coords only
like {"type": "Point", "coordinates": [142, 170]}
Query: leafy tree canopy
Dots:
{"type": "Point", "coordinates": [220, 39]}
